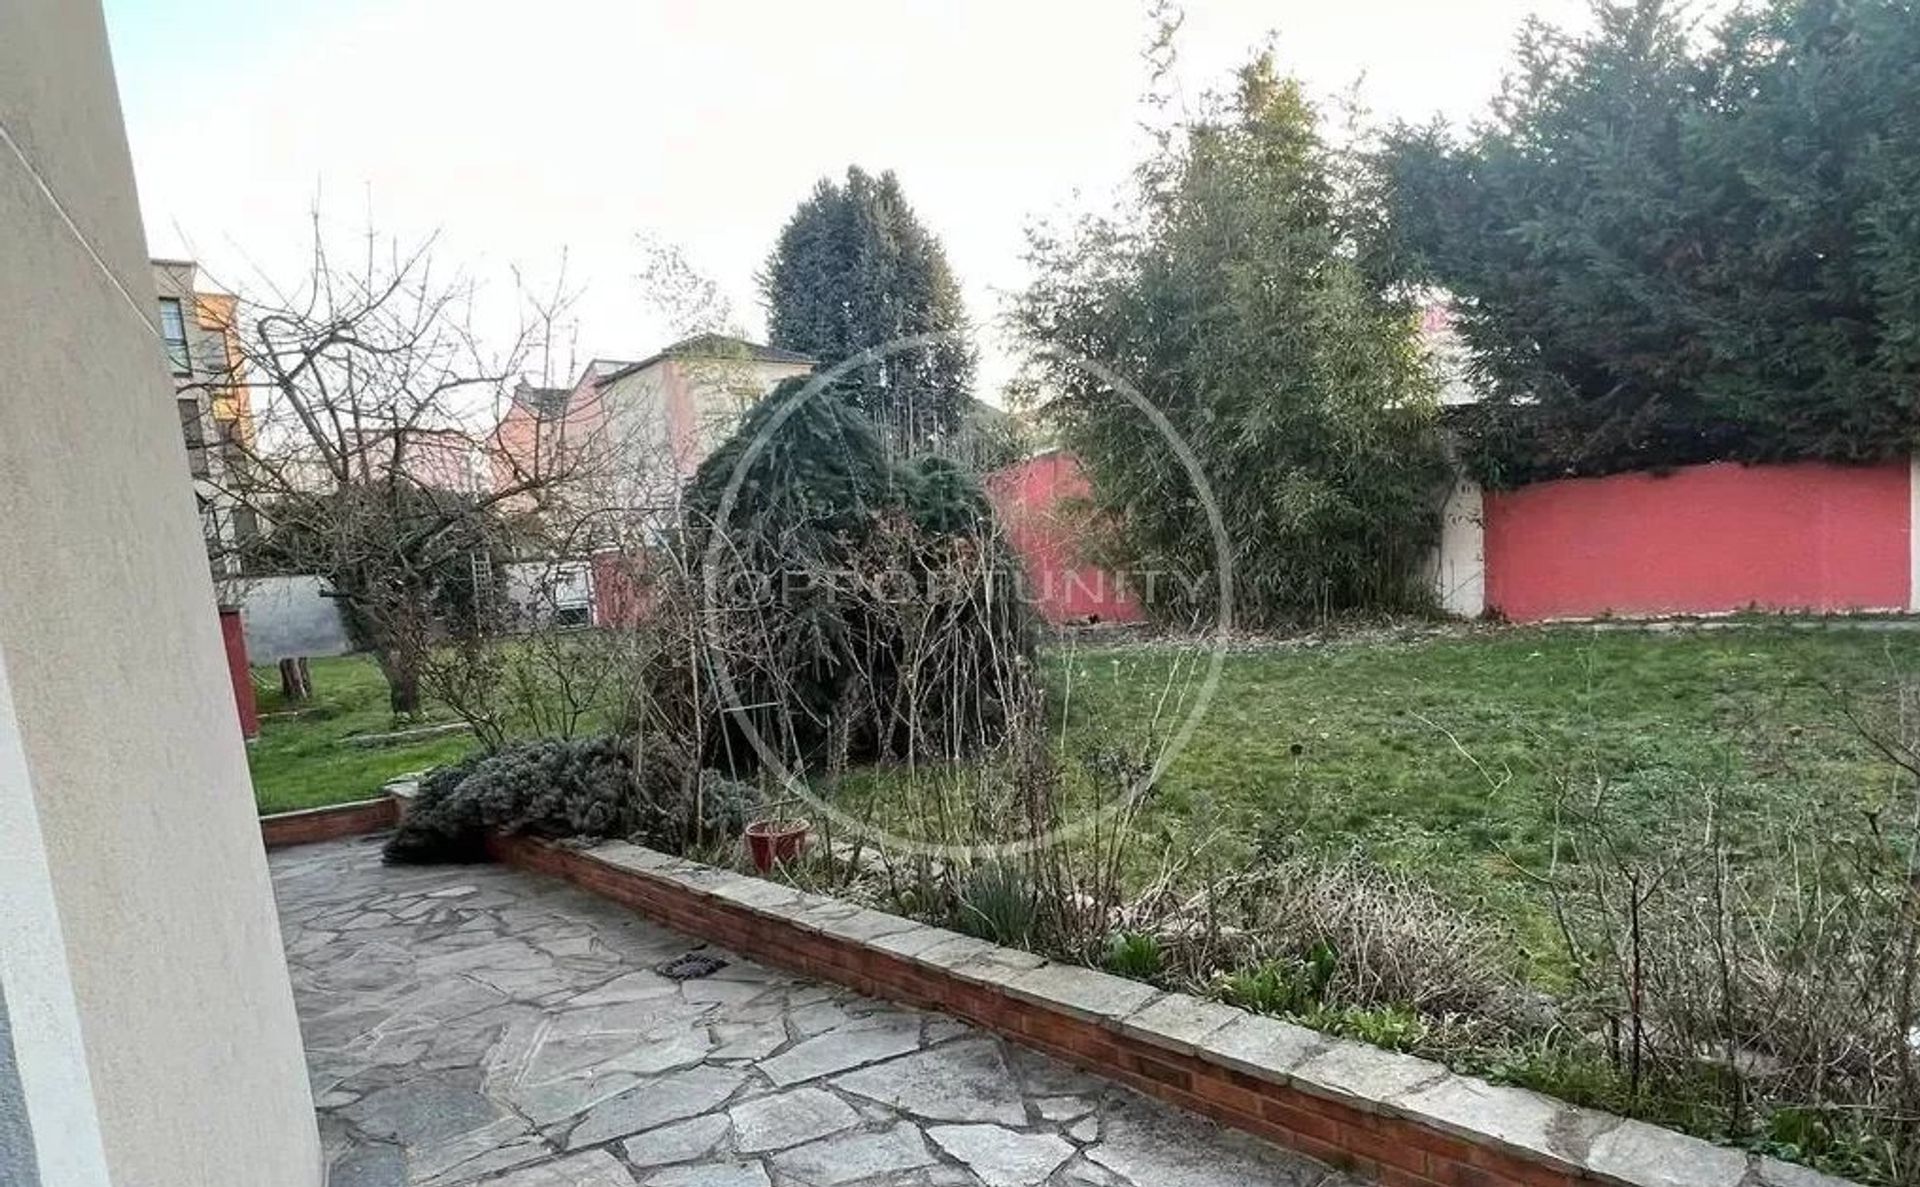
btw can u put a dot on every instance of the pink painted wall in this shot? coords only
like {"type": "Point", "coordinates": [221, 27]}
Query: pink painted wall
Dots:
{"type": "Point", "coordinates": [1804, 536]}
{"type": "Point", "coordinates": [1029, 498]}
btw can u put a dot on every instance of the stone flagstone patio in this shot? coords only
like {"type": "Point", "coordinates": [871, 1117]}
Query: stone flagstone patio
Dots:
{"type": "Point", "coordinates": [474, 1024]}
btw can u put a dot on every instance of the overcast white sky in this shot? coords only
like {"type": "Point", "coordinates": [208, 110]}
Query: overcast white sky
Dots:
{"type": "Point", "coordinates": [522, 130]}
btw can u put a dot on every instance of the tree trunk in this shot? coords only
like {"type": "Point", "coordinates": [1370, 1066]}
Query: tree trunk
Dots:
{"type": "Point", "coordinates": [402, 671]}
{"type": "Point", "coordinates": [296, 682]}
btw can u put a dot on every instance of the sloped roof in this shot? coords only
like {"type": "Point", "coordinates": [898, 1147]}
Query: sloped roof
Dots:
{"type": "Point", "coordinates": [714, 346]}
{"type": "Point", "coordinates": [544, 401]}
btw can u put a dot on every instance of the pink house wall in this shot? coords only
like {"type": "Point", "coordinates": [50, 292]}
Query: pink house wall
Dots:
{"type": "Point", "coordinates": [1030, 498]}
{"type": "Point", "coordinates": [1704, 539]}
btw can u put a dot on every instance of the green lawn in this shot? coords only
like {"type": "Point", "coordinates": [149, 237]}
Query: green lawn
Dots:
{"type": "Point", "coordinates": [304, 762]}
{"type": "Point", "coordinates": [1447, 753]}
{"type": "Point", "coordinates": [1440, 752]}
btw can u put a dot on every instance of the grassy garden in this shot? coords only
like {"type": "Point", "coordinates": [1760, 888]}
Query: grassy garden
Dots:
{"type": "Point", "coordinates": [1441, 753]}
{"type": "Point", "coordinates": [1416, 837]}
{"type": "Point", "coordinates": [303, 757]}
{"type": "Point", "coordinates": [1446, 754]}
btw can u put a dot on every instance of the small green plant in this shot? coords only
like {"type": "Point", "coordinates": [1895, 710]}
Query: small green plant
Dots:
{"type": "Point", "coordinates": [997, 903]}
{"type": "Point", "coordinates": [1295, 986]}
{"type": "Point", "coordinates": [1136, 955]}
{"type": "Point", "coordinates": [1394, 1027]}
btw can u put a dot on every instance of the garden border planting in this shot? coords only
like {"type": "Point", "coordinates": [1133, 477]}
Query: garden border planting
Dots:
{"type": "Point", "coordinates": [1405, 1121]}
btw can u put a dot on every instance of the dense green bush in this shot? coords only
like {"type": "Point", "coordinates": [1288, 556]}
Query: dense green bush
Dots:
{"type": "Point", "coordinates": [1671, 248]}
{"type": "Point", "coordinates": [551, 787]}
{"type": "Point", "coordinates": [1235, 302]}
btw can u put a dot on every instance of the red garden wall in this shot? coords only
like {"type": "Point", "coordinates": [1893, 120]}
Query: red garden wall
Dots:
{"type": "Point", "coordinates": [1704, 539]}
{"type": "Point", "coordinates": [1034, 500]}
{"type": "Point", "coordinates": [234, 638]}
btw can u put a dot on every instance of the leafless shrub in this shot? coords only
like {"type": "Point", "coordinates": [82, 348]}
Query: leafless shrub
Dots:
{"type": "Point", "coordinates": [1394, 941]}
{"type": "Point", "coordinates": [1765, 978]}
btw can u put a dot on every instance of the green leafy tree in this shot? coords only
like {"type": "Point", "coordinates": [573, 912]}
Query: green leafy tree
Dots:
{"type": "Point", "coordinates": [853, 270]}
{"type": "Point", "coordinates": [1669, 251]}
{"type": "Point", "coordinates": [1235, 302]}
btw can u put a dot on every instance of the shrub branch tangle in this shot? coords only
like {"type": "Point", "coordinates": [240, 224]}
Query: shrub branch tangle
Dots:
{"type": "Point", "coordinates": [861, 606]}
{"type": "Point", "coordinates": [1234, 302]}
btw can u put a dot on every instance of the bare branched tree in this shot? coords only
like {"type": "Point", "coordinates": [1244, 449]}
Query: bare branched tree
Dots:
{"type": "Point", "coordinates": [374, 462]}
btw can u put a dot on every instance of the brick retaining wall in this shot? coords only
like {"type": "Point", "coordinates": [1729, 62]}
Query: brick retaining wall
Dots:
{"type": "Point", "coordinates": [1404, 1121]}
{"type": "Point", "coordinates": [328, 824]}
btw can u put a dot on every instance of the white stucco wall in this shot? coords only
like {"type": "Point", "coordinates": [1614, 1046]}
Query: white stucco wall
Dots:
{"type": "Point", "coordinates": [147, 997]}
{"type": "Point", "coordinates": [288, 617]}
{"type": "Point", "coordinates": [1458, 568]}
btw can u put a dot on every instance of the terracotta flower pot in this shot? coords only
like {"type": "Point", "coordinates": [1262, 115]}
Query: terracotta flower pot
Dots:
{"type": "Point", "coordinates": [771, 841]}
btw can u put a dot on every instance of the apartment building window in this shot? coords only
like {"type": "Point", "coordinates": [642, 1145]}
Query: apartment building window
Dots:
{"type": "Point", "coordinates": [193, 429]}
{"type": "Point", "coordinates": [173, 329]}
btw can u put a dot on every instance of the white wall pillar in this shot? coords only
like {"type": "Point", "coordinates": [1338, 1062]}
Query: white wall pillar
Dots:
{"type": "Point", "coordinates": [1458, 568]}
{"type": "Point", "coordinates": [147, 1010]}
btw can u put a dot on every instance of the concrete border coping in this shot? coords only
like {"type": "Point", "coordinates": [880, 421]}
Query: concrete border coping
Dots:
{"type": "Point", "coordinates": [334, 821]}
{"type": "Point", "coordinates": [329, 823]}
{"type": "Point", "coordinates": [1408, 1121]}
{"type": "Point", "coordinates": [421, 733]}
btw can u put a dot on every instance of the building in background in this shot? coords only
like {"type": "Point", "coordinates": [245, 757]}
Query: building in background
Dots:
{"type": "Point", "coordinates": [630, 435]}
{"type": "Point", "coordinates": [215, 407]}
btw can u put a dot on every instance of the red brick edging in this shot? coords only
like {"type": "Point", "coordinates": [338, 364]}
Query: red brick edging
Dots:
{"type": "Point", "coordinates": [328, 824]}
{"type": "Point", "coordinates": [1403, 1121]}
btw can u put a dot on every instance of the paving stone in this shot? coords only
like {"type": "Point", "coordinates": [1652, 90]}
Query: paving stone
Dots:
{"type": "Point", "coordinates": [596, 1168]}
{"type": "Point", "coordinates": [628, 987]}
{"type": "Point", "coordinates": [722, 992]}
{"type": "Point", "coordinates": [425, 1109]}
{"type": "Point", "coordinates": [919, 939]}
{"type": "Point", "coordinates": [964, 1081]}
{"type": "Point", "coordinates": [994, 966]}
{"type": "Point", "coordinates": [466, 1160]}
{"type": "Point", "coordinates": [1153, 1147]}
{"type": "Point", "coordinates": [682, 1141]}
{"type": "Point", "coordinates": [770, 897]}
{"type": "Point", "coordinates": [747, 1040]}
{"type": "Point", "coordinates": [1081, 1173]}
{"type": "Point", "coordinates": [816, 1018]}
{"type": "Point", "coordinates": [1649, 1156]}
{"type": "Point", "coordinates": [379, 1165]}
{"type": "Point", "coordinates": [558, 1100]}
{"type": "Point", "coordinates": [734, 1174]}
{"type": "Point", "coordinates": [1002, 1157]}
{"type": "Point", "coordinates": [1042, 1075]}
{"type": "Point", "coordinates": [1063, 1108]}
{"type": "Point", "coordinates": [851, 1157]}
{"type": "Point", "coordinates": [955, 952]}
{"type": "Point", "coordinates": [645, 1037]}
{"type": "Point", "coordinates": [789, 1119]}
{"type": "Point", "coordinates": [512, 999]}
{"type": "Point", "coordinates": [864, 1041]}
{"type": "Point", "coordinates": [655, 1102]}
